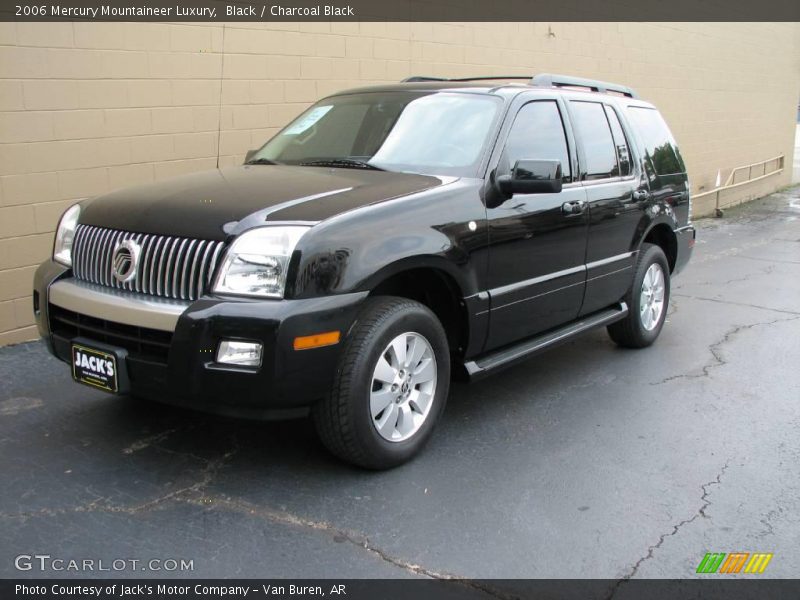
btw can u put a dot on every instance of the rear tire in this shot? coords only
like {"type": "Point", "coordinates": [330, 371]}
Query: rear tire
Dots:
{"type": "Point", "coordinates": [390, 387]}
{"type": "Point", "coordinates": [647, 300]}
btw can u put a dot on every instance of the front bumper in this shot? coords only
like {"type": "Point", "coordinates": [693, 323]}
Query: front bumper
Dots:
{"type": "Point", "coordinates": [172, 345]}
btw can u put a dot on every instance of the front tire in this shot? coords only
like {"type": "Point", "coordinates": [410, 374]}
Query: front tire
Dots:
{"type": "Point", "coordinates": [648, 300]}
{"type": "Point", "coordinates": [390, 387]}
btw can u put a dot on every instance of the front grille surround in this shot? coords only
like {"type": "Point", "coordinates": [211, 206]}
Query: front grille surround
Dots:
{"type": "Point", "coordinates": [169, 267]}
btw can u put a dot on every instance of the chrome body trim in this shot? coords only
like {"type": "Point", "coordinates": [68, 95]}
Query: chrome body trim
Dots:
{"type": "Point", "coordinates": [529, 298]}
{"type": "Point", "coordinates": [536, 280]}
{"type": "Point", "coordinates": [625, 268]}
{"type": "Point", "coordinates": [494, 293]}
{"type": "Point", "coordinates": [609, 260]}
{"type": "Point", "coordinates": [116, 305]}
{"type": "Point", "coordinates": [556, 274]}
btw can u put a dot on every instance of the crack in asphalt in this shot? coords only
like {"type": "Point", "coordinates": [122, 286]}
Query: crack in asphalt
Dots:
{"type": "Point", "coordinates": [718, 359]}
{"type": "Point", "coordinates": [700, 513]}
{"type": "Point", "coordinates": [194, 494]}
{"type": "Point", "coordinates": [102, 504]}
{"type": "Point", "coordinates": [744, 304]}
{"type": "Point", "coordinates": [207, 477]}
{"type": "Point", "coordinates": [765, 271]}
{"type": "Point", "coordinates": [771, 260]}
{"type": "Point", "coordinates": [338, 535]}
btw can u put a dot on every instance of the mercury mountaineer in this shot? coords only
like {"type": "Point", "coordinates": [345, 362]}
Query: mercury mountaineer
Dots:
{"type": "Point", "coordinates": [387, 238]}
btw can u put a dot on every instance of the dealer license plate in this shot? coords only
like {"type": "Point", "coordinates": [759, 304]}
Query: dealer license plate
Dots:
{"type": "Point", "coordinates": [95, 367]}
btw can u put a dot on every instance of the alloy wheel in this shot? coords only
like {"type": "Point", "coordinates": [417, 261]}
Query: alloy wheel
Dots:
{"type": "Point", "coordinates": [403, 387]}
{"type": "Point", "coordinates": [651, 301]}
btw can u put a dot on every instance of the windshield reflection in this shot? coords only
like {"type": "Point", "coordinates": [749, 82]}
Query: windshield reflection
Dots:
{"type": "Point", "coordinates": [441, 133]}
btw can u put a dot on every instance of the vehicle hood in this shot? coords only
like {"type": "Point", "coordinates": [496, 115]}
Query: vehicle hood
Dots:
{"type": "Point", "coordinates": [218, 203]}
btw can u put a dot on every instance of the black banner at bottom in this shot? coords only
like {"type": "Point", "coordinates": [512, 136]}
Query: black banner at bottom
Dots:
{"type": "Point", "coordinates": [399, 589]}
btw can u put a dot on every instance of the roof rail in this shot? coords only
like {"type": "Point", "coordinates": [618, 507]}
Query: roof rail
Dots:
{"type": "Point", "coordinates": [549, 80]}
{"type": "Point", "coordinates": [421, 78]}
{"type": "Point", "coordinates": [552, 80]}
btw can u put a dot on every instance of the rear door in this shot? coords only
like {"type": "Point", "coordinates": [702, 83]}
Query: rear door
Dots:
{"type": "Point", "coordinates": [664, 166]}
{"type": "Point", "coordinates": [616, 197]}
{"type": "Point", "coordinates": [536, 254]}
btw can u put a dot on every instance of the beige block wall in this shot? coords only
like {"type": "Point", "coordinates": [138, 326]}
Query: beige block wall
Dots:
{"type": "Point", "coordinates": [86, 108]}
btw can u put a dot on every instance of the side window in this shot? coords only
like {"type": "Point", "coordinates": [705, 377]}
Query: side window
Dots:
{"type": "Point", "coordinates": [623, 154]}
{"type": "Point", "coordinates": [657, 139]}
{"type": "Point", "coordinates": [538, 133]}
{"type": "Point", "coordinates": [592, 127]}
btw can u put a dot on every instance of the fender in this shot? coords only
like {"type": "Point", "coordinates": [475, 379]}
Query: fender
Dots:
{"type": "Point", "coordinates": [444, 229]}
{"type": "Point", "coordinates": [647, 223]}
{"type": "Point", "coordinates": [437, 263]}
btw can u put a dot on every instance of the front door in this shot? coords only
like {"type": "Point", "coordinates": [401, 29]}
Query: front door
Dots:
{"type": "Point", "coordinates": [537, 241]}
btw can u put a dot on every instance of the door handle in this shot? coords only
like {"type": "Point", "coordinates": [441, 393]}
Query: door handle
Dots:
{"type": "Point", "coordinates": [573, 207]}
{"type": "Point", "coordinates": [640, 195]}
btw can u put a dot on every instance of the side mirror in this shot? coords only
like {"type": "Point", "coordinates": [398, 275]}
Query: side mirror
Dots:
{"type": "Point", "coordinates": [250, 154]}
{"type": "Point", "coordinates": [532, 177]}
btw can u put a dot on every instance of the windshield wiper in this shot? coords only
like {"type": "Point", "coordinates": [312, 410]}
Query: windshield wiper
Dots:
{"type": "Point", "coordinates": [262, 161]}
{"type": "Point", "coordinates": [345, 163]}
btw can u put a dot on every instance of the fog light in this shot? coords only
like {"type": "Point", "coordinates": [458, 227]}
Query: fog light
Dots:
{"type": "Point", "coordinates": [246, 354]}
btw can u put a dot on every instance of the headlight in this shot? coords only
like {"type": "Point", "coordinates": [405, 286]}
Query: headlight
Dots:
{"type": "Point", "coordinates": [65, 234]}
{"type": "Point", "coordinates": [256, 262]}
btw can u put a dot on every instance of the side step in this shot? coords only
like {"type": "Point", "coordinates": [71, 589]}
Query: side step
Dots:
{"type": "Point", "coordinates": [505, 357]}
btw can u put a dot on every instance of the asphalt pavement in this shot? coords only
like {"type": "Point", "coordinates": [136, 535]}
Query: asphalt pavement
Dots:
{"type": "Point", "coordinates": [588, 461]}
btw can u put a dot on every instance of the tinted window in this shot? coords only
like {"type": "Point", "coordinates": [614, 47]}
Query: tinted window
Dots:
{"type": "Point", "coordinates": [538, 133]}
{"type": "Point", "coordinates": [623, 154]}
{"type": "Point", "coordinates": [595, 135]}
{"type": "Point", "coordinates": [658, 141]}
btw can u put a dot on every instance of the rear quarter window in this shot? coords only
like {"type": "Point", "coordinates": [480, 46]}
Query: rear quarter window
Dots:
{"type": "Point", "coordinates": [659, 144]}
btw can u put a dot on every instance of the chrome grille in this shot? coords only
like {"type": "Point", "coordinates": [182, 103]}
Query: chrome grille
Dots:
{"type": "Point", "coordinates": [171, 267]}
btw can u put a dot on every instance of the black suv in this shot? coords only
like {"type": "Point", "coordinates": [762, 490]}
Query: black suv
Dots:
{"type": "Point", "coordinates": [385, 239]}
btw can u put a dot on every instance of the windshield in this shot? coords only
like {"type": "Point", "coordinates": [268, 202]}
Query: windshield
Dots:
{"type": "Point", "coordinates": [431, 133]}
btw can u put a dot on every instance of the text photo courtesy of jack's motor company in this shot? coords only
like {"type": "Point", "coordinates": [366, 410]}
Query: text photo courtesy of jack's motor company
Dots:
{"type": "Point", "coordinates": [398, 303]}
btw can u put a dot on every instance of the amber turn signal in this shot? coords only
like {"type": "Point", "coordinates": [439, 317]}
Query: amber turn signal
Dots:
{"type": "Point", "coordinates": [318, 340]}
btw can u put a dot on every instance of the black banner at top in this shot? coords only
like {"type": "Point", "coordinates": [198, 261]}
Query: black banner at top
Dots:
{"type": "Point", "coordinates": [401, 10]}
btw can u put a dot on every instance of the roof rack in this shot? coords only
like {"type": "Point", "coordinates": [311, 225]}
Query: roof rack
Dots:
{"type": "Point", "coordinates": [602, 87]}
{"type": "Point", "coordinates": [542, 80]}
{"type": "Point", "coordinates": [422, 78]}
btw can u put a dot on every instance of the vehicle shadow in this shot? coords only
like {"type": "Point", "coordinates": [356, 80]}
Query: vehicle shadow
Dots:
{"type": "Point", "coordinates": [136, 427]}
{"type": "Point", "coordinates": [124, 435]}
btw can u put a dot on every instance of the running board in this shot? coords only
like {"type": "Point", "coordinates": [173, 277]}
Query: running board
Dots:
{"type": "Point", "coordinates": [500, 359]}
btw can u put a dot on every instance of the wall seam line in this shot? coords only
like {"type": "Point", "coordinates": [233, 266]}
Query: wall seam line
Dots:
{"type": "Point", "coordinates": [221, 79]}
